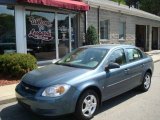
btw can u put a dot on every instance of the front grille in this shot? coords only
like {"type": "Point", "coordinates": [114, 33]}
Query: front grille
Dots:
{"type": "Point", "coordinates": [29, 88]}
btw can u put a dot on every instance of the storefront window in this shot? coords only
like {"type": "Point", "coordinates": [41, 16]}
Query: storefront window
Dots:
{"type": "Point", "coordinates": [7, 30]}
{"type": "Point", "coordinates": [41, 35]}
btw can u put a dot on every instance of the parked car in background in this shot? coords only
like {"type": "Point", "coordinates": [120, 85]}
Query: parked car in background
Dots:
{"type": "Point", "coordinates": [83, 79]}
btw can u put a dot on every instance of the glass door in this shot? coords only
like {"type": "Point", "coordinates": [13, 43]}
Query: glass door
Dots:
{"type": "Point", "coordinates": [50, 35]}
{"type": "Point", "coordinates": [63, 34]}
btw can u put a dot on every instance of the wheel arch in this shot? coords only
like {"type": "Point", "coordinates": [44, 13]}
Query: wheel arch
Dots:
{"type": "Point", "coordinates": [95, 89]}
{"type": "Point", "coordinates": [149, 71]}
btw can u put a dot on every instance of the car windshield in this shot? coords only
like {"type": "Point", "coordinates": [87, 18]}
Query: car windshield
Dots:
{"type": "Point", "coordinates": [84, 58]}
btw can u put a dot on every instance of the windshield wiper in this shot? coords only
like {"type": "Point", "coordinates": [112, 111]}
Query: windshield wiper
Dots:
{"type": "Point", "coordinates": [73, 65]}
{"type": "Point", "coordinates": [66, 64]}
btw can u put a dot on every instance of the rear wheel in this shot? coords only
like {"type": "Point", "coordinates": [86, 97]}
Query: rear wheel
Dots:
{"type": "Point", "coordinates": [146, 82]}
{"type": "Point", "coordinates": [87, 105]}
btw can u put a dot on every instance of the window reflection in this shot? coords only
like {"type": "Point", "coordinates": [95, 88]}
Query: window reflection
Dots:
{"type": "Point", "coordinates": [104, 29]}
{"type": "Point", "coordinates": [63, 34]}
{"type": "Point", "coordinates": [41, 35]}
{"type": "Point", "coordinates": [7, 30]}
{"type": "Point", "coordinates": [118, 56]}
{"type": "Point", "coordinates": [122, 29]}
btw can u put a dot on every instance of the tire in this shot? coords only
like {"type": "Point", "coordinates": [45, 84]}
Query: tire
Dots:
{"type": "Point", "coordinates": [87, 105]}
{"type": "Point", "coordinates": [146, 82]}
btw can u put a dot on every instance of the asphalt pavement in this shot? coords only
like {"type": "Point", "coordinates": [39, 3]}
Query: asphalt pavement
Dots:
{"type": "Point", "coordinates": [132, 105]}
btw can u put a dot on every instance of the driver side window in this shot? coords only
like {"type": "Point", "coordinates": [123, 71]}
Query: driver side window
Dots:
{"type": "Point", "coordinates": [118, 56]}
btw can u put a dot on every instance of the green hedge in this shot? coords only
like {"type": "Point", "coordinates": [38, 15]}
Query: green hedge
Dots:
{"type": "Point", "coordinates": [16, 65]}
{"type": "Point", "coordinates": [91, 36]}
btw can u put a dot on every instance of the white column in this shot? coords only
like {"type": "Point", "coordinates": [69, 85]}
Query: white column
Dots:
{"type": "Point", "coordinates": [56, 36]}
{"type": "Point", "coordinates": [159, 38]}
{"type": "Point", "coordinates": [86, 22]}
{"type": "Point", "coordinates": [70, 34]}
{"type": "Point", "coordinates": [20, 23]}
{"type": "Point", "coordinates": [150, 38]}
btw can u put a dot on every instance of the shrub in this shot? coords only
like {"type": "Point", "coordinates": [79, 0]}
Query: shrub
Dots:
{"type": "Point", "coordinates": [91, 36]}
{"type": "Point", "coordinates": [16, 65]}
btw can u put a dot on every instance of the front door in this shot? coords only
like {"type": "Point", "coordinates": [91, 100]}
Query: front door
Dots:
{"type": "Point", "coordinates": [116, 79]}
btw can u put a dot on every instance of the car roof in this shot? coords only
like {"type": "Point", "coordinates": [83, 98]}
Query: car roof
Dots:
{"type": "Point", "coordinates": [108, 46]}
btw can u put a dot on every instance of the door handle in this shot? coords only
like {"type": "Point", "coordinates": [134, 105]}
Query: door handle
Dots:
{"type": "Point", "coordinates": [143, 65]}
{"type": "Point", "coordinates": [126, 70]}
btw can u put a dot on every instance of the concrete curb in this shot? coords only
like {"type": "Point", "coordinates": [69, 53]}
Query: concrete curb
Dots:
{"type": "Point", "coordinates": [156, 61]}
{"type": "Point", "coordinates": [7, 94]}
{"type": "Point", "coordinates": [8, 99]}
{"type": "Point", "coordinates": [12, 98]}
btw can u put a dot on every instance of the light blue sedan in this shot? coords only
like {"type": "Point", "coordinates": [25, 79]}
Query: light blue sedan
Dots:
{"type": "Point", "coordinates": [83, 79]}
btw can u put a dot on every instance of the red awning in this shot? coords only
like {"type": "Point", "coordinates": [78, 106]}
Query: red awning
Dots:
{"type": "Point", "coordinates": [67, 4]}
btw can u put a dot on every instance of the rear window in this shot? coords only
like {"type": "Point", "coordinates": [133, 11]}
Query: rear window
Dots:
{"type": "Point", "coordinates": [134, 54]}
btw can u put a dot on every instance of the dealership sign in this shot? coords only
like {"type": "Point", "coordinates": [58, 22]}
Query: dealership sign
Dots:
{"type": "Point", "coordinates": [43, 31]}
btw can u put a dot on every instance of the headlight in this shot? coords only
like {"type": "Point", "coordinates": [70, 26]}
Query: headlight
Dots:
{"type": "Point", "coordinates": [55, 91]}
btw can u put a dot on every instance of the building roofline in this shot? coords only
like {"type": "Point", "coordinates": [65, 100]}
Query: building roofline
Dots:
{"type": "Point", "coordinates": [115, 7]}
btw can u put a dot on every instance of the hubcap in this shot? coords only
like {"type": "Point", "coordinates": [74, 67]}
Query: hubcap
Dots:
{"type": "Point", "coordinates": [89, 105]}
{"type": "Point", "coordinates": [147, 81]}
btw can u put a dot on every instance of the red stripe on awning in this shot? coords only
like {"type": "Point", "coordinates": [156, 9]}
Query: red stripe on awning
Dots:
{"type": "Point", "coordinates": [67, 4]}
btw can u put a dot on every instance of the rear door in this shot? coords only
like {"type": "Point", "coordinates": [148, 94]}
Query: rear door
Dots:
{"type": "Point", "coordinates": [136, 65]}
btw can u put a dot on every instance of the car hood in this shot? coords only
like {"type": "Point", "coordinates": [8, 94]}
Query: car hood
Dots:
{"type": "Point", "coordinates": [52, 75]}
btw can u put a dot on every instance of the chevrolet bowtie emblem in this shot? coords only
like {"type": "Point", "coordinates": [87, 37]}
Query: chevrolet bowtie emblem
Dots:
{"type": "Point", "coordinates": [27, 88]}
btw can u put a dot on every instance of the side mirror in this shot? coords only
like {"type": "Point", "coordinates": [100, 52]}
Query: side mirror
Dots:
{"type": "Point", "coordinates": [112, 66]}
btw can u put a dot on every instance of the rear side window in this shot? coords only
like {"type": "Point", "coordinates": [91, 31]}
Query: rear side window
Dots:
{"type": "Point", "coordinates": [133, 54]}
{"type": "Point", "coordinates": [118, 56]}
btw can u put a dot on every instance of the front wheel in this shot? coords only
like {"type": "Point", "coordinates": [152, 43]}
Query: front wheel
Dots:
{"type": "Point", "coordinates": [146, 82]}
{"type": "Point", "coordinates": [87, 105]}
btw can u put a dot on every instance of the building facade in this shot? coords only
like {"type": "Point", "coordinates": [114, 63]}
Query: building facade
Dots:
{"type": "Point", "coordinates": [123, 25]}
{"type": "Point", "coordinates": [51, 30]}
{"type": "Point", "coordinates": [48, 31]}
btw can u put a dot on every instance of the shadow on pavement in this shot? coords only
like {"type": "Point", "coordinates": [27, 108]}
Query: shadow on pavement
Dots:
{"type": "Point", "coordinates": [118, 100]}
{"type": "Point", "coordinates": [16, 112]}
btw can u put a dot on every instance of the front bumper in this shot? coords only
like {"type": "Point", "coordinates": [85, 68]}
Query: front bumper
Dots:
{"type": "Point", "coordinates": [48, 106]}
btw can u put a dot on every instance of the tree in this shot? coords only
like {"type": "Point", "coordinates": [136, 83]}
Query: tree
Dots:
{"type": "Point", "coordinates": [152, 6]}
{"type": "Point", "coordinates": [132, 3]}
{"type": "Point", "coordinates": [91, 36]}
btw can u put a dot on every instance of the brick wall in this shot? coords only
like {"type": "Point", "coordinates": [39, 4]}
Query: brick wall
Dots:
{"type": "Point", "coordinates": [92, 17]}
{"type": "Point", "coordinates": [114, 19]}
{"type": "Point", "coordinates": [81, 32]}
